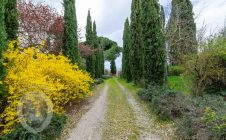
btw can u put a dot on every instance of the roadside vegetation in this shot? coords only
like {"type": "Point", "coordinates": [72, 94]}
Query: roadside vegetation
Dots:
{"type": "Point", "coordinates": [183, 80]}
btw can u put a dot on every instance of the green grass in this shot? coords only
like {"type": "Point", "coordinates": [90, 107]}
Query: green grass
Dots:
{"type": "Point", "coordinates": [120, 117]}
{"type": "Point", "coordinates": [180, 84]}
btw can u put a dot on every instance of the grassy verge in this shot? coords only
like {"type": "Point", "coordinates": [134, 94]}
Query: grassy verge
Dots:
{"type": "Point", "coordinates": [120, 122]}
{"type": "Point", "coordinates": [180, 84]}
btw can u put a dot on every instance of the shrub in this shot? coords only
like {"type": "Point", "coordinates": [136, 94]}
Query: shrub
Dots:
{"type": "Point", "coordinates": [193, 124]}
{"type": "Point", "coordinates": [98, 81]}
{"type": "Point", "coordinates": [208, 66]}
{"type": "Point", "coordinates": [216, 122]}
{"type": "Point", "coordinates": [50, 133]}
{"type": "Point", "coordinates": [30, 70]}
{"type": "Point", "coordinates": [176, 70]}
{"type": "Point", "coordinates": [166, 104]}
{"type": "Point", "coordinates": [187, 111]}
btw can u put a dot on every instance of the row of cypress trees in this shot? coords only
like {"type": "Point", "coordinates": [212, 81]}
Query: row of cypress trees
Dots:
{"type": "Point", "coordinates": [145, 39]}
{"type": "Point", "coordinates": [94, 62]}
{"type": "Point", "coordinates": [144, 51]}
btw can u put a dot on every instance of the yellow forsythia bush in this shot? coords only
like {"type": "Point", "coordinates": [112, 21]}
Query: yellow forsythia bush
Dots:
{"type": "Point", "coordinates": [29, 70]}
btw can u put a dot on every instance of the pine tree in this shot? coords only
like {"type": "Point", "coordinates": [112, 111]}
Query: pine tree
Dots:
{"type": "Point", "coordinates": [136, 51]}
{"type": "Point", "coordinates": [90, 61]}
{"type": "Point", "coordinates": [181, 31]}
{"type": "Point", "coordinates": [11, 19]}
{"type": "Point", "coordinates": [154, 51]}
{"type": "Point", "coordinates": [113, 67]}
{"type": "Point", "coordinates": [126, 73]}
{"type": "Point", "coordinates": [2, 37]}
{"type": "Point", "coordinates": [70, 37]}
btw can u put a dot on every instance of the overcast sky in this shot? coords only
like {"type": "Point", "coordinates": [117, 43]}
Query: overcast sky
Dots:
{"type": "Point", "coordinates": [111, 14]}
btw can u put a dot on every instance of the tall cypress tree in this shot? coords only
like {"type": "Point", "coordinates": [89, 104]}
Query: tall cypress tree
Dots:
{"type": "Point", "coordinates": [113, 67]}
{"type": "Point", "coordinates": [181, 31]}
{"type": "Point", "coordinates": [126, 73]}
{"type": "Point", "coordinates": [70, 37]}
{"type": "Point", "coordinates": [2, 36]}
{"type": "Point", "coordinates": [136, 51]}
{"type": "Point", "coordinates": [97, 52]}
{"type": "Point", "coordinates": [102, 61]}
{"type": "Point", "coordinates": [163, 18]}
{"type": "Point", "coordinates": [154, 51]}
{"type": "Point", "coordinates": [90, 61]}
{"type": "Point", "coordinates": [11, 19]}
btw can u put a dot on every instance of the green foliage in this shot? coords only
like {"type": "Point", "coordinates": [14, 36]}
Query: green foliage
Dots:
{"type": "Point", "coordinates": [189, 112]}
{"type": "Point", "coordinates": [11, 19]}
{"type": "Point", "coordinates": [154, 49]}
{"type": "Point", "coordinates": [50, 133]}
{"type": "Point", "coordinates": [216, 122]}
{"type": "Point", "coordinates": [2, 31]}
{"type": "Point", "coordinates": [163, 18]}
{"type": "Point", "coordinates": [112, 53]}
{"type": "Point", "coordinates": [90, 61]}
{"type": "Point", "coordinates": [70, 37]}
{"type": "Point", "coordinates": [176, 70]}
{"type": "Point", "coordinates": [180, 84]}
{"type": "Point", "coordinates": [181, 31]}
{"type": "Point", "coordinates": [136, 51]}
{"type": "Point", "coordinates": [89, 30]}
{"type": "Point", "coordinates": [113, 67]}
{"type": "Point", "coordinates": [209, 66]}
{"type": "Point", "coordinates": [3, 43]}
{"type": "Point", "coordinates": [126, 72]}
{"type": "Point", "coordinates": [98, 54]}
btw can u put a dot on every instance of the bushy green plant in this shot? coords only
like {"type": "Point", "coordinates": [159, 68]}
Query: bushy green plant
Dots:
{"type": "Point", "coordinates": [50, 133]}
{"type": "Point", "coordinates": [166, 104]}
{"type": "Point", "coordinates": [194, 124]}
{"type": "Point", "coordinates": [215, 121]}
{"type": "Point", "coordinates": [176, 70]}
{"type": "Point", "coordinates": [98, 81]}
{"type": "Point", "coordinates": [187, 112]}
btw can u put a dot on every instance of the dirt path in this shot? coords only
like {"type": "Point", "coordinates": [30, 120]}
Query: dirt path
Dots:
{"type": "Point", "coordinates": [143, 121]}
{"type": "Point", "coordinates": [118, 114]}
{"type": "Point", "coordinates": [89, 127]}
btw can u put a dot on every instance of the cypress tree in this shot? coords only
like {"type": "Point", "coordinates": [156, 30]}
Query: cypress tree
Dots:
{"type": "Point", "coordinates": [154, 51]}
{"type": "Point", "coordinates": [11, 19]}
{"type": "Point", "coordinates": [126, 73]}
{"type": "Point", "coordinates": [136, 51]}
{"type": "Point", "coordinates": [70, 37]}
{"type": "Point", "coordinates": [163, 18]}
{"type": "Point", "coordinates": [113, 67]}
{"type": "Point", "coordinates": [102, 62]}
{"type": "Point", "coordinates": [90, 61]}
{"type": "Point", "coordinates": [97, 52]}
{"type": "Point", "coordinates": [181, 31]}
{"type": "Point", "coordinates": [2, 37]}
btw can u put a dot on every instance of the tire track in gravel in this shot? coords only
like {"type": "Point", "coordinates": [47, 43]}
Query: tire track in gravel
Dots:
{"type": "Point", "coordinates": [143, 121]}
{"type": "Point", "coordinates": [89, 127]}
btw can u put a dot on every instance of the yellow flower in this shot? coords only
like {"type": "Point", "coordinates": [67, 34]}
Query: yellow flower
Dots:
{"type": "Point", "coordinates": [30, 71]}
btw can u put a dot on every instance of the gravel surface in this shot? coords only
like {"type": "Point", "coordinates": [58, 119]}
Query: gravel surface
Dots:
{"type": "Point", "coordinates": [89, 126]}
